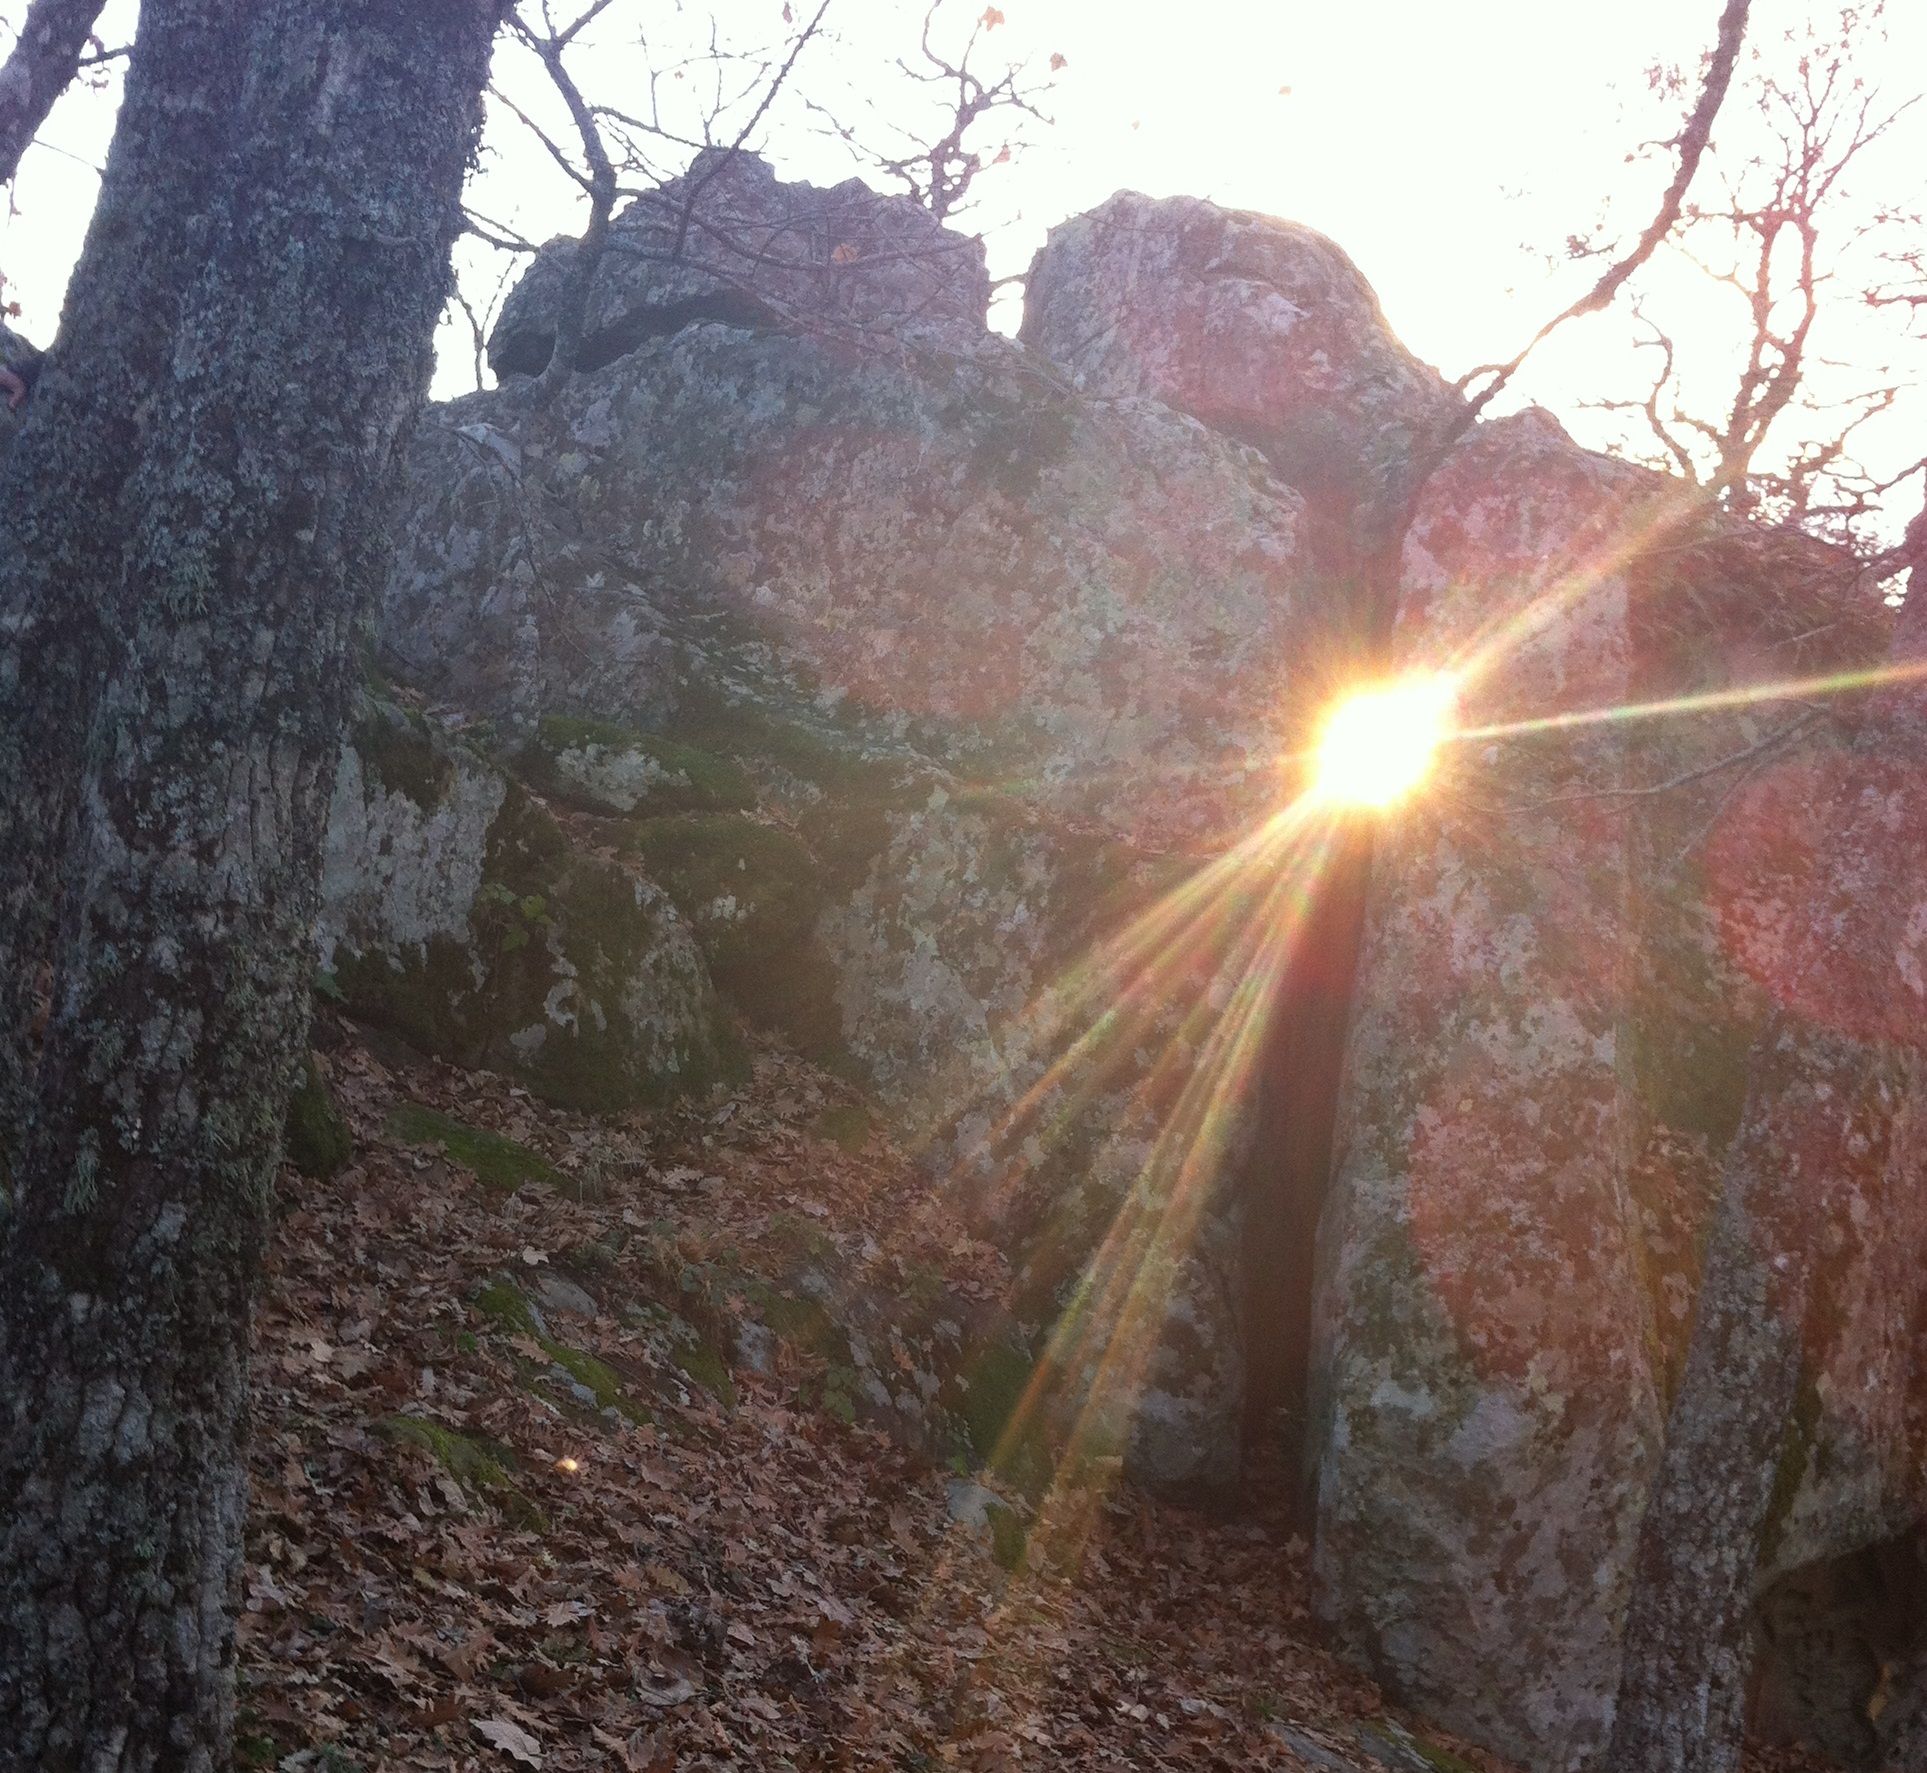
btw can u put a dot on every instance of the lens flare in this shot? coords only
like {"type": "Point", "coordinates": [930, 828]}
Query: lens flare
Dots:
{"type": "Point", "coordinates": [1379, 743]}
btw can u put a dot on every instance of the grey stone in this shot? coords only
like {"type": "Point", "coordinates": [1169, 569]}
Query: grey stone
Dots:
{"type": "Point", "coordinates": [1263, 329]}
{"type": "Point", "coordinates": [1314, 1751]}
{"type": "Point", "coordinates": [455, 911]}
{"type": "Point", "coordinates": [755, 1348]}
{"type": "Point", "coordinates": [730, 241]}
{"type": "Point", "coordinates": [558, 1294]}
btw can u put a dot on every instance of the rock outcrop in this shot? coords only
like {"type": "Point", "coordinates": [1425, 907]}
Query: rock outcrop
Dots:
{"type": "Point", "coordinates": [1489, 1425]}
{"type": "Point", "coordinates": [729, 241]}
{"type": "Point", "coordinates": [457, 912]}
{"type": "Point", "coordinates": [938, 698]}
{"type": "Point", "coordinates": [1262, 329]}
{"type": "Point", "coordinates": [941, 615]}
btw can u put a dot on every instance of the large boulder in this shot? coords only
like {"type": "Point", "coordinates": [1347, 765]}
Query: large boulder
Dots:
{"type": "Point", "coordinates": [1546, 1065]}
{"type": "Point", "coordinates": [1490, 1424]}
{"type": "Point", "coordinates": [967, 561]}
{"type": "Point", "coordinates": [730, 241]}
{"type": "Point", "coordinates": [1263, 329]}
{"type": "Point", "coordinates": [1759, 811]}
{"type": "Point", "coordinates": [456, 911]}
{"type": "Point", "coordinates": [1002, 659]}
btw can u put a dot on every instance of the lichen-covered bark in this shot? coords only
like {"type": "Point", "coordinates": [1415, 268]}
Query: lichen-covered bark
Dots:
{"type": "Point", "coordinates": [241, 382]}
{"type": "Point", "coordinates": [46, 56]}
{"type": "Point", "coordinates": [66, 517]}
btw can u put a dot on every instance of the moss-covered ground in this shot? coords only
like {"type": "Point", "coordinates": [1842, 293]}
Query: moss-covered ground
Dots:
{"type": "Point", "coordinates": [495, 1161]}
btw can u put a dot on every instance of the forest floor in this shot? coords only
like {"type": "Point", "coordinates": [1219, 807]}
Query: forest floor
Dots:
{"type": "Point", "coordinates": [489, 1537]}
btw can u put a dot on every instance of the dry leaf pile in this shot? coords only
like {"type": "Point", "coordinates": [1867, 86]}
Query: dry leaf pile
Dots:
{"type": "Point", "coordinates": [484, 1540]}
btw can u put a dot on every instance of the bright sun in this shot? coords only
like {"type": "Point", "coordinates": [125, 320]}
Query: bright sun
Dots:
{"type": "Point", "coordinates": [1378, 744]}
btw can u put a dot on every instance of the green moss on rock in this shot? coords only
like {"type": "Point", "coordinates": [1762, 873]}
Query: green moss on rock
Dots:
{"type": "Point", "coordinates": [507, 1309]}
{"type": "Point", "coordinates": [569, 732]}
{"type": "Point", "coordinates": [751, 733]}
{"type": "Point", "coordinates": [752, 893]}
{"type": "Point", "coordinates": [606, 929]}
{"type": "Point", "coordinates": [505, 1306]}
{"type": "Point", "coordinates": [748, 889]}
{"type": "Point", "coordinates": [984, 1396]}
{"type": "Point", "coordinates": [496, 1162]}
{"type": "Point", "coordinates": [424, 998]}
{"type": "Point", "coordinates": [802, 1240]}
{"type": "Point", "coordinates": [615, 769]}
{"type": "Point", "coordinates": [471, 1464]}
{"type": "Point", "coordinates": [1009, 1538]}
{"type": "Point", "coordinates": [804, 1324]}
{"type": "Point", "coordinates": [595, 1376]}
{"type": "Point", "coordinates": [837, 1394]}
{"type": "Point", "coordinates": [399, 753]}
{"type": "Point", "coordinates": [317, 1140]}
{"type": "Point", "coordinates": [252, 1749]}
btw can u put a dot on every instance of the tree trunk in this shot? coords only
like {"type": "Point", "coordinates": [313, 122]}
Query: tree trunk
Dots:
{"type": "Point", "coordinates": [46, 56]}
{"type": "Point", "coordinates": [66, 520]}
{"type": "Point", "coordinates": [242, 357]}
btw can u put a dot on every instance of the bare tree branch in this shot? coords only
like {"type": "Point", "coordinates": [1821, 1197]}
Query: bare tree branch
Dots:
{"type": "Point", "coordinates": [941, 171]}
{"type": "Point", "coordinates": [46, 56]}
{"type": "Point", "coordinates": [1691, 144]}
{"type": "Point", "coordinates": [803, 39]}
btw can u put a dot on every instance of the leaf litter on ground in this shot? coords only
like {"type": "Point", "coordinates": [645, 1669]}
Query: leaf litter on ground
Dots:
{"type": "Point", "coordinates": [478, 1543]}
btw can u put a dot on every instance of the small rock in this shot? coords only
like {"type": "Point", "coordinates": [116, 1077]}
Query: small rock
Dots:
{"type": "Point", "coordinates": [988, 1518]}
{"type": "Point", "coordinates": [970, 1504]}
{"type": "Point", "coordinates": [1392, 1745]}
{"type": "Point", "coordinates": [755, 1348]}
{"type": "Point", "coordinates": [1312, 1750]}
{"type": "Point", "coordinates": [557, 1293]}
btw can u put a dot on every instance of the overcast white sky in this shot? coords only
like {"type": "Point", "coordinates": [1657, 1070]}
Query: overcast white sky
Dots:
{"type": "Point", "coordinates": [1431, 140]}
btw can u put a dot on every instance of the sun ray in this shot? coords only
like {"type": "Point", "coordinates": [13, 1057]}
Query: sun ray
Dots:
{"type": "Point", "coordinates": [1110, 1332]}
{"type": "Point", "coordinates": [1221, 919]}
{"type": "Point", "coordinates": [1115, 993]}
{"type": "Point", "coordinates": [1744, 695]}
{"type": "Point", "coordinates": [1509, 630]}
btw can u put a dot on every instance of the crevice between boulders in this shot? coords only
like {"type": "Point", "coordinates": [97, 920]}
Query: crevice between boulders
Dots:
{"type": "Point", "coordinates": [1288, 1169]}
{"type": "Point", "coordinates": [526, 352]}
